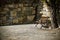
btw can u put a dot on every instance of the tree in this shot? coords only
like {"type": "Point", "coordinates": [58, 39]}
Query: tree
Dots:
{"type": "Point", "coordinates": [36, 4]}
{"type": "Point", "coordinates": [53, 5]}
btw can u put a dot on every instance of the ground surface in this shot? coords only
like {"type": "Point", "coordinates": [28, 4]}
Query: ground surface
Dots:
{"type": "Point", "coordinates": [28, 32]}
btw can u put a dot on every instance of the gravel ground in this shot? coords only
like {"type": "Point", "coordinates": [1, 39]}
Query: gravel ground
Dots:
{"type": "Point", "coordinates": [28, 32]}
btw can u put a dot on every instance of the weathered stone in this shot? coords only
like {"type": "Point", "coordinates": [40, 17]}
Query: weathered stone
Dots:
{"type": "Point", "coordinates": [4, 18]}
{"type": "Point", "coordinates": [13, 13]}
{"type": "Point", "coordinates": [16, 6]}
{"type": "Point", "coordinates": [33, 11]}
{"type": "Point", "coordinates": [11, 5]}
{"type": "Point", "coordinates": [15, 21]}
{"type": "Point", "coordinates": [20, 19]}
{"type": "Point", "coordinates": [6, 9]}
{"type": "Point", "coordinates": [28, 10]}
{"type": "Point", "coordinates": [20, 5]}
{"type": "Point", "coordinates": [18, 9]}
{"type": "Point", "coordinates": [30, 18]}
{"type": "Point", "coordinates": [27, 5]}
{"type": "Point", "coordinates": [3, 12]}
{"type": "Point", "coordinates": [0, 22]}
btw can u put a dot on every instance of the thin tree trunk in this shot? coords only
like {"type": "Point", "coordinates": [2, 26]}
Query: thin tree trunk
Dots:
{"type": "Point", "coordinates": [35, 18]}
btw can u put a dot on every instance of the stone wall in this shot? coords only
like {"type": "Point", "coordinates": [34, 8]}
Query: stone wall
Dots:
{"type": "Point", "coordinates": [16, 14]}
{"type": "Point", "coordinates": [18, 11]}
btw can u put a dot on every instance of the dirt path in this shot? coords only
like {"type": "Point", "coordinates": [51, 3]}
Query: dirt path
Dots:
{"type": "Point", "coordinates": [28, 32]}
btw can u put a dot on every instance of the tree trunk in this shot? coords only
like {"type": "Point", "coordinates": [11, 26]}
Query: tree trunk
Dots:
{"type": "Point", "coordinates": [54, 19]}
{"type": "Point", "coordinates": [52, 4]}
{"type": "Point", "coordinates": [35, 18]}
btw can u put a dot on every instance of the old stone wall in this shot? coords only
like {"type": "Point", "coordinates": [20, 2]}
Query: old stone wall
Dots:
{"type": "Point", "coordinates": [16, 14]}
{"type": "Point", "coordinates": [18, 11]}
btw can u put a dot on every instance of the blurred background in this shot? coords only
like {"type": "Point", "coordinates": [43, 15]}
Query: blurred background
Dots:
{"type": "Point", "coordinates": [14, 12]}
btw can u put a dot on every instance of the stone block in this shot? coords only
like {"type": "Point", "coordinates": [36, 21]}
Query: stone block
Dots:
{"type": "Point", "coordinates": [6, 9]}
{"type": "Point", "coordinates": [28, 10]}
{"type": "Point", "coordinates": [30, 18]}
{"type": "Point", "coordinates": [13, 13]}
{"type": "Point", "coordinates": [19, 9]}
{"type": "Point", "coordinates": [0, 21]}
{"type": "Point", "coordinates": [20, 19]}
{"type": "Point", "coordinates": [16, 5]}
{"type": "Point", "coordinates": [3, 18]}
{"type": "Point", "coordinates": [19, 14]}
{"type": "Point", "coordinates": [33, 11]}
{"type": "Point", "coordinates": [3, 12]}
{"type": "Point", "coordinates": [11, 5]}
{"type": "Point", "coordinates": [20, 5]}
{"type": "Point", "coordinates": [27, 5]}
{"type": "Point", "coordinates": [15, 21]}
